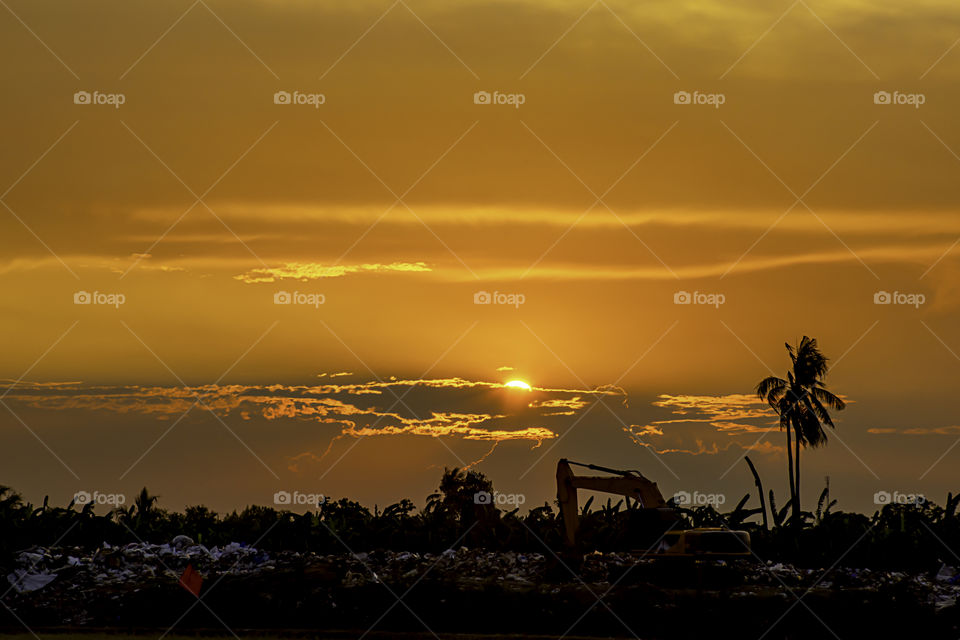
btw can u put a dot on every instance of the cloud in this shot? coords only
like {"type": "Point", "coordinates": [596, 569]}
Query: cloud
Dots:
{"type": "Point", "coordinates": [469, 410]}
{"type": "Point", "coordinates": [306, 271]}
{"type": "Point", "coordinates": [735, 406]}
{"type": "Point", "coordinates": [714, 448]}
{"type": "Point", "coordinates": [716, 418]}
{"type": "Point", "coordinates": [309, 457]}
{"type": "Point", "coordinates": [916, 431]}
{"type": "Point", "coordinates": [573, 404]}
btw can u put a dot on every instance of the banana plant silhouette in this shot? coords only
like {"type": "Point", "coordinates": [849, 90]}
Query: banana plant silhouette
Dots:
{"type": "Point", "coordinates": [802, 402]}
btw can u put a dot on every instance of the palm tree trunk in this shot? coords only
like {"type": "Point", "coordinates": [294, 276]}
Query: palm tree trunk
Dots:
{"type": "Point", "coordinates": [793, 490]}
{"type": "Point", "coordinates": [796, 505]}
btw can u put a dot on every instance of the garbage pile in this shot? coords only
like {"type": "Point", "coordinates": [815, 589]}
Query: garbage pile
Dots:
{"type": "Point", "coordinates": [939, 591]}
{"type": "Point", "coordinates": [61, 584]}
{"type": "Point", "coordinates": [130, 565]}
{"type": "Point", "coordinates": [467, 568]}
{"type": "Point", "coordinates": [136, 564]}
{"type": "Point", "coordinates": [65, 584]}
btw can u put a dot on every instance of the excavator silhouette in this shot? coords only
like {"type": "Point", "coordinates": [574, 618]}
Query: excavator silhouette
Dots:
{"type": "Point", "coordinates": [658, 525]}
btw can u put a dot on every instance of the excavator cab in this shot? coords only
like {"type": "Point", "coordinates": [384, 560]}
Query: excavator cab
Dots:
{"type": "Point", "coordinates": [653, 525]}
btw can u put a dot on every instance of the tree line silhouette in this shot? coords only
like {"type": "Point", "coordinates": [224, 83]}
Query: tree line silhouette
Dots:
{"type": "Point", "coordinates": [896, 536]}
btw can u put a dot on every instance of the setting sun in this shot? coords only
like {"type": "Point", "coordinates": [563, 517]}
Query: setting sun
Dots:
{"type": "Point", "coordinates": [519, 384]}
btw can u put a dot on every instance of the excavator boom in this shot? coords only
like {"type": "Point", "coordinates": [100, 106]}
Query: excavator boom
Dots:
{"type": "Point", "coordinates": [633, 486]}
{"type": "Point", "coordinates": [629, 484]}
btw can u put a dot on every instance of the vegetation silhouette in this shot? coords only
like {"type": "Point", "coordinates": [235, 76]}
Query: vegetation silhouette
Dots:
{"type": "Point", "coordinates": [904, 536]}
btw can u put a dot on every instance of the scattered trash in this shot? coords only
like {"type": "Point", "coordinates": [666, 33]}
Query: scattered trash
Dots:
{"type": "Point", "coordinates": [60, 580]}
{"type": "Point", "coordinates": [24, 582]}
{"type": "Point", "coordinates": [946, 574]}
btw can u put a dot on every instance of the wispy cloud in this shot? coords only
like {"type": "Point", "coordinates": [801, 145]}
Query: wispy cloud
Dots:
{"type": "Point", "coordinates": [716, 418]}
{"type": "Point", "coordinates": [916, 431]}
{"type": "Point", "coordinates": [305, 271]}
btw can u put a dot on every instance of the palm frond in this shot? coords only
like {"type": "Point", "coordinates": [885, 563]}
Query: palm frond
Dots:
{"type": "Point", "coordinates": [815, 406]}
{"type": "Point", "coordinates": [834, 402]}
{"type": "Point", "coordinates": [771, 389]}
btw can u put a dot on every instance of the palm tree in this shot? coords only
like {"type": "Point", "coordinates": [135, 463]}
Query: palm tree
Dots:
{"type": "Point", "coordinates": [802, 402]}
{"type": "Point", "coordinates": [141, 514]}
{"type": "Point", "coordinates": [145, 503]}
{"type": "Point", "coordinates": [462, 494]}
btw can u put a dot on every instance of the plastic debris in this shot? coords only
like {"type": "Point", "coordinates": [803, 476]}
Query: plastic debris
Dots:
{"type": "Point", "coordinates": [24, 582]}
{"type": "Point", "coordinates": [191, 580]}
{"type": "Point", "coordinates": [946, 574]}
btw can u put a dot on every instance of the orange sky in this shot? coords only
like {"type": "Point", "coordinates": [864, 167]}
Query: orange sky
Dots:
{"type": "Point", "coordinates": [384, 211]}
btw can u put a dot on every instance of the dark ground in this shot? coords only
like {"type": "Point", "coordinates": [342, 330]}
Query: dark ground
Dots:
{"type": "Point", "coordinates": [470, 592]}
